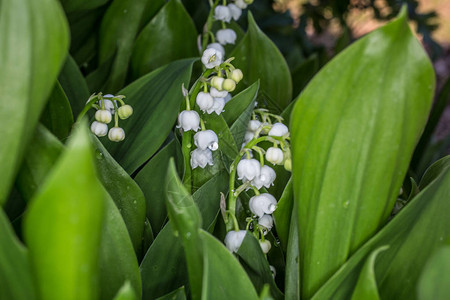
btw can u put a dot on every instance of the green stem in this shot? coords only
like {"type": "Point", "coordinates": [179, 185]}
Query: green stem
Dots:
{"type": "Point", "coordinates": [186, 150]}
{"type": "Point", "coordinates": [208, 25]}
{"type": "Point", "coordinates": [87, 107]}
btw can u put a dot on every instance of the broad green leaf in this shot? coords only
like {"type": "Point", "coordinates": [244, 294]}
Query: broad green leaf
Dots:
{"type": "Point", "coordinates": [74, 85]}
{"type": "Point", "coordinates": [292, 276]}
{"type": "Point", "coordinates": [118, 262]}
{"type": "Point", "coordinates": [125, 192]}
{"type": "Point", "coordinates": [186, 221]}
{"type": "Point", "coordinates": [257, 266]}
{"type": "Point", "coordinates": [435, 277]}
{"type": "Point", "coordinates": [156, 100]}
{"type": "Point", "coordinates": [16, 281]}
{"type": "Point", "coordinates": [178, 294]}
{"type": "Point", "coordinates": [366, 287]}
{"type": "Point", "coordinates": [57, 115]}
{"type": "Point", "coordinates": [223, 276]}
{"type": "Point", "coordinates": [63, 225]}
{"type": "Point", "coordinates": [41, 155]}
{"type": "Point", "coordinates": [80, 5]}
{"type": "Point", "coordinates": [117, 40]}
{"type": "Point", "coordinates": [169, 36]}
{"type": "Point", "coordinates": [233, 109]}
{"type": "Point", "coordinates": [434, 171]}
{"type": "Point", "coordinates": [151, 180]}
{"type": "Point", "coordinates": [126, 292]}
{"type": "Point", "coordinates": [350, 145]}
{"type": "Point", "coordinates": [33, 45]}
{"type": "Point", "coordinates": [282, 215]}
{"type": "Point", "coordinates": [163, 268]}
{"type": "Point", "coordinates": [217, 124]}
{"type": "Point", "coordinates": [258, 58]}
{"type": "Point", "coordinates": [413, 235]}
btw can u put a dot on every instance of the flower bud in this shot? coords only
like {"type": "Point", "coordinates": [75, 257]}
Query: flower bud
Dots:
{"type": "Point", "coordinates": [234, 11]}
{"type": "Point", "coordinates": [218, 48]}
{"type": "Point", "coordinates": [241, 4]}
{"type": "Point", "coordinates": [201, 158]}
{"type": "Point", "coordinates": [189, 120]}
{"type": "Point", "coordinates": [254, 125]}
{"type": "Point", "coordinates": [229, 85]}
{"type": "Point", "coordinates": [266, 221]}
{"type": "Point", "coordinates": [217, 94]}
{"type": "Point", "coordinates": [262, 204]}
{"type": "Point", "coordinates": [206, 139]}
{"type": "Point", "coordinates": [249, 135]}
{"type": "Point", "coordinates": [222, 13]}
{"type": "Point", "coordinates": [274, 271]}
{"type": "Point", "coordinates": [248, 2]}
{"type": "Point", "coordinates": [116, 134]}
{"type": "Point", "coordinates": [236, 75]}
{"type": "Point", "coordinates": [266, 178]}
{"type": "Point", "coordinates": [99, 129]}
{"type": "Point", "coordinates": [278, 129]}
{"type": "Point", "coordinates": [234, 239]}
{"type": "Point", "coordinates": [217, 107]}
{"type": "Point", "coordinates": [212, 58]}
{"type": "Point", "coordinates": [204, 101]}
{"type": "Point", "coordinates": [248, 169]}
{"type": "Point", "coordinates": [125, 111]}
{"type": "Point", "coordinates": [226, 36]}
{"type": "Point", "coordinates": [103, 116]}
{"type": "Point", "coordinates": [274, 155]}
{"type": "Point", "coordinates": [265, 246]}
{"type": "Point", "coordinates": [217, 82]}
{"type": "Point", "coordinates": [288, 164]}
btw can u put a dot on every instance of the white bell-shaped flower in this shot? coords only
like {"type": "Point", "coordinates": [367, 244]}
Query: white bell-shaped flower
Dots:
{"type": "Point", "coordinates": [234, 11]}
{"type": "Point", "coordinates": [278, 129]}
{"type": "Point", "coordinates": [201, 158]}
{"type": "Point", "coordinates": [116, 134]}
{"type": "Point", "coordinates": [218, 47]}
{"type": "Point", "coordinates": [234, 239]}
{"type": "Point", "coordinates": [226, 36]}
{"type": "Point", "coordinates": [217, 107]}
{"type": "Point", "coordinates": [109, 106]}
{"type": "Point", "coordinates": [254, 125]}
{"type": "Point", "coordinates": [274, 271]}
{"type": "Point", "coordinates": [265, 178]}
{"type": "Point", "coordinates": [189, 120]}
{"type": "Point", "coordinates": [274, 155]}
{"type": "Point", "coordinates": [249, 135]}
{"type": "Point", "coordinates": [262, 204]}
{"type": "Point", "coordinates": [212, 58]}
{"type": "Point", "coordinates": [266, 221]}
{"type": "Point", "coordinates": [103, 116]}
{"type": "Point", "coordinates": [265, 246]}
{"type": "Point", "coordinates": [204, 101]}
{"type": "Point", "coordinates": [241, 4]}
{"type": "Point", "coordinates": [222, 13]}
{"type": "Point", "coordinates": [217, 94]}
{"type": "Point", "coordinates": [99, 129]}
{"type": "Point", "coordinates": [206, 139]}
{"type": "Point", "coordinates": [248, 169]}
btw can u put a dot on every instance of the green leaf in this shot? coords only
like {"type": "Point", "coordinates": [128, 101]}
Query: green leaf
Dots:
{"type": "Point", "coordinates": [169, 36]}
{"type": "Point", "coordinates": [33, 45]}
{"type": "Point", "coordinates": [80, 5]}
{"type": "Point", "coordinates": [282, 215]}
{"type": "Point", "coordinates": [257, 266]}
{"type": "Point", "coordinates": [74, 85]}
{"type": "Point", "coordinates": [258, 58]}
{"type": "Point", "coordinates": [351, 147]}
{"type": "Point", "coordinates": [63, 225]}
{"type": "Point", "coordinates": [125, 192]}
{"type": "Point", "coordinates": [178, 294]}
{"type": "Point", "coordinates": [413, 235]}
{"type": "Point", "coordinates": [223, 276]}
{"type": "Point", "coordinates": [434, 171]}
{"type": "Point", "coordinates": [366, 287]}
{"type": "Point", "coordinates": [126, 292]}
{"type": "Point", "coordinates": [237, 105]}
{"type": "Point", "coordinates": [156, 100]}
{"type": "Point", "coordinates": [118, 262]}
{"type": "Point", "coordinates": [292, 276]}
{"type": "Point", "coordinates": [14, 265]}
{"type": "Point", "coordinates": [217, 124]}
{"type": "Point", "coordinates": [433, 282]}
{"type": "Point", "coordinates": [186, 221]}
{"type": "Point", "coordinates": [57, 115]}
{"type": "Point", "coordinates": [152, 179]}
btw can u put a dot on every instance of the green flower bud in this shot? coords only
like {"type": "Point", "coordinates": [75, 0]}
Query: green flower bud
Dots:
{"type": "Point", "coordinates": [236, 75]}
{"type": "Point", "coordinates": [217, 82]}
{"type": "Point", "coordinates": [229, 85]}
{"type": "Point", "coordinates": [248, 2]}
{"type": "Point", "coordinates": [288, 164]}
{"type": "Point", "coordinates": [125, 111]}
{"type": "Point", "coordinates": [103, 116]}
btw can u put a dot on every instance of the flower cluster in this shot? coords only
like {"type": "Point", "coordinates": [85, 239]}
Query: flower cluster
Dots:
{"type": "Point", "coordinates": [106, 107]}
{"type": "Point", "coordinates": [255, 174]}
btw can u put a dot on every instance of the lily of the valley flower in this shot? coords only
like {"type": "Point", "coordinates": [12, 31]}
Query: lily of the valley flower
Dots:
{"type": "Point", "coordinates": [226, 36]}
{"type": "Point", "coordinates": [236, 75]}
{"type": "Point", "coordinates": [222, 13]}
{"type": "Point", "coordinates": [103, 116]}
{"type": "Point", "coordinates": [235, 11]}
{"type": "Point", "coordinates": [99, 129]}
{"type": "Point", "coordinates": [217, 107]}
{"type": "Point", "coordinates": [241, 4]}
{"type": "Point", "coordinates": [253, 125]}
{"type": "Point", "coordinates": [266, 221]}
{"type": "Point", "coordinates": [229, 85]}
{"type": "Point", "coordinates": [189, 120]}
{"type": "Point", "coordinates": [206, 139]}
{"type": "Point", "coordinates": [262, 204]}
{"type": "Point", "coordinates": [204, 101]}
{"type": "Point", "coordinates": [218, 94]}
{"type": "Point", "coordinates": [218, 47]}
{"type": "Point", "coordinates": [116, 134]}
{"type": "Point", "coordinates": [234, 239]}
{"type": "Point", "coordinates": [201, 158]}
{"type": "Point", "coordinates": [248, 169]}
{"type": "Point", "coordinates": [274, 155]}
{"type": "Point", "coordinates": [125, 111]}
{"type": "Point", "coordinates": [217, 83]}
{"type": "Point", "coordinates": [212, 58]}
{"type": "Point", "coordinates": [278, 129]}
{"type": "Point", "coordinates": [265, 178]}
{"type": "Point", "coordinates": [265, 246]}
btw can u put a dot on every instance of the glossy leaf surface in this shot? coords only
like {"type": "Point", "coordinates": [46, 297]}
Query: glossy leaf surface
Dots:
{"type": "Point", "coordinates": [435, 277]}
{"type": "Point", "coordinates": [351, 147]}
{"type": "Point", "coordinates": [126, 292]}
